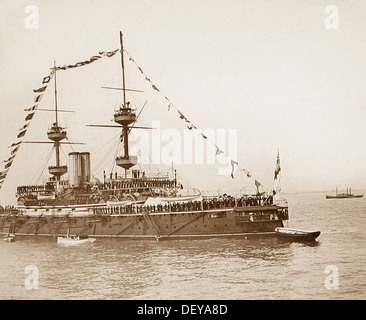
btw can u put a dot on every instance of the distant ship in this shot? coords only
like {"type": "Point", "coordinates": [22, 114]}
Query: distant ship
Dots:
{"type": "Point", "coordinates": [342, 195]}
{"type": "Point", "coordinates": [132, 204]}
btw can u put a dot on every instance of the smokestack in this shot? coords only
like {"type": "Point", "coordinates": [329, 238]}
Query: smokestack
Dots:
{"type": "Point", "coordinates": [85, 166]}
{"type": "Point", "coordinates": [74, 169]}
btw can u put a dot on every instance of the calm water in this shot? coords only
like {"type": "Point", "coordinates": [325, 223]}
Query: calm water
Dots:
{"type": "Point", "coordinates": [201, 269]}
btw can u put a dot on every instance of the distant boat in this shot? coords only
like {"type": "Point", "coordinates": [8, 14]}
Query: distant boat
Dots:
{"type": "Point", "coordinates": [297, 235]}
{"type": "Point", "coordinates": [9, 238]}
{"type": "Point", "coordinates": [343, 195]}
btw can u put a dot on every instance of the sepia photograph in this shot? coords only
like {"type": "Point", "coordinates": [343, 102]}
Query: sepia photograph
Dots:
{"type": "Point", "coordinates": [157, 151]}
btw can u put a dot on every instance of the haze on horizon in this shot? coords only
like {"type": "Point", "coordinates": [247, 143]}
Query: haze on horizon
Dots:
{"type": "Point", "coordinates": [270, 70]}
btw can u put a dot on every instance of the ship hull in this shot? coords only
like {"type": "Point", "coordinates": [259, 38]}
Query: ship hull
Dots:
{"type": "Point", "coordinates": [177, 225]}
{"type": "Point", "coordinates": [344, 197]}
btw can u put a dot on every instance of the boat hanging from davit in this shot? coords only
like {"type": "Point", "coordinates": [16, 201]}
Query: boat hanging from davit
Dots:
{"type": "Point", "coordinates": [132, 205]}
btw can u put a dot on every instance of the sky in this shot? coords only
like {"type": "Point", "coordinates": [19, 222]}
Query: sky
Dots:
{"type": "Point", "coordinates": [269, 70]}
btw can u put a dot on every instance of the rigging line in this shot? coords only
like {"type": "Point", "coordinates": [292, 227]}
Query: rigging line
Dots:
{"type": "Point", "coordinates": [103, 146]}
{"type": "Point", "coordinates": [42, 168]}
{"type": "Point", "coordinates": [72, 148]}
{"type": "Point", "coordinates": [63, 153]}
{"type": "Point", "coordinates": [146, 151]}
{"type": "Point", "coordinates": [113, 165]}
{"type": "Point", "coordinates": [172, 105]}
{"type": "Point", "coordinates": [107, 156]}
{"type": "Point", "coordinates": [200, 131]}
{"type": "Point", "coordinates": [104, 159]}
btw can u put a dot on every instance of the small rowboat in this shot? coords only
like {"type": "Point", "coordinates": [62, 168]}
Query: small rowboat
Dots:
{"type": "Point", "coordinates": [71, 240]}
{"type": "Point", "coordinates": [9, 238]}
{"type": "Point", "coordinates": [74, 240]}
{"type": "Point", "coordinates": [297, 235]}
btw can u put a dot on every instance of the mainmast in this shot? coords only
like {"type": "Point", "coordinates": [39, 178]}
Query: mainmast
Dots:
{"type": "Point", "coordinates": [56, 134]}
{"type": "Point", "coordinates": [125, 116]}
{"type": "Point", "coordinates": [54, 70]}
{"type": "Point", "coordinates": [123, 69]}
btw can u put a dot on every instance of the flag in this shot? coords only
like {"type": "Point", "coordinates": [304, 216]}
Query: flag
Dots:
{"type": "Point", "coordinates": [38, 98]}
{"type": "Point", "coordinates": [33, 108]}
{"type": "Point", "coordinates": [232, 167]}
{"type": "Point", "coordinates": [8, 164]}
{"type": "Point", "coordinates": [24, 127]}
{"type": "Point", "coordinates": [15, 150]}
{"type": "Point", "coordinates": [15, 144]}
{"type": "Point", "coordinates": [257, 183]}
{"type": "Point", "coordinates": [10, 159]}
{"type": "Point", "coordinates": [3, 173]}
{"type": "Point", "coordinates": [278, 167]}
{"type": "Point", "coordinates": [93, 58]}
{"type": "Point", "coordinates": [29, 116]}
{"type": "Point", "coordinates": [247, 173]}
{"type": "Point", "coordinates": [277, 177]}
{"type": "Point", "coordinates": [46, 79]}
{"type": "Point", "coordinates": [218, 151]}
{"type": "Point", "coordinates": [42, 89]}
{"type": "Point", "coordinates": [22, 134]}
{"type": "Point", "coordinates": [181, 115]}
{"type": "Point", "coordinates": [108, 54]}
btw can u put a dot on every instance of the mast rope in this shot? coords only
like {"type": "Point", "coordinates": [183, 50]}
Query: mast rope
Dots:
{"type": "Point", "coordinates": [37, 99]}
{"type": "Point", "coordinates": [191, 126]}
{"type": "Point", "coordinates": [37, 177]}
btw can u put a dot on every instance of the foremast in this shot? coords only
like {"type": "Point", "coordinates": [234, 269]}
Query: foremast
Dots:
{"type": "Point", "coordinates": [125, 117]}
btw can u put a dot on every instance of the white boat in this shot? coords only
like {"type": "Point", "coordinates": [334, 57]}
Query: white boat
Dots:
{"type": "Point", "coordinates": [74, 240]}
{"type": "Point", "coordinates": [9, 238]}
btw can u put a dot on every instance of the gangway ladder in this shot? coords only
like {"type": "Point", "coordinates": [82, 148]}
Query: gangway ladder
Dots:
{"type": "Point", "coordinates": [51, 226]}
{"type": "Point", "coordinates": [151, 221]}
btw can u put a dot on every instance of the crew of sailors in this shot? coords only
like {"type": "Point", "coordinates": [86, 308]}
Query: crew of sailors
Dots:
{"type": "Point", "coordinates": [226, 202]}
{"type": "Point", "coordinates": [138, 184]}
{"type": "Point", "coordinates": [36, 188]}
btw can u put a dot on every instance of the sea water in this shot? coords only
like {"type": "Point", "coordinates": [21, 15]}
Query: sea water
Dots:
{"type": "Point", "coordinates": [334, 267]}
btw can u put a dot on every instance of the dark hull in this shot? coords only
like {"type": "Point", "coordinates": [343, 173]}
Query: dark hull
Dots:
{"type": "Point", "coordinates": [181, 225]}
{"type": "Point", "coordinates": [303, 237]}
{"type": "Point", "coordinates": [344, 197]}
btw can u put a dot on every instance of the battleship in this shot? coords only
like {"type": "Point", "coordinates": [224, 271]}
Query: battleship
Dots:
{"type": "Point", "coordinates": [132, 205]}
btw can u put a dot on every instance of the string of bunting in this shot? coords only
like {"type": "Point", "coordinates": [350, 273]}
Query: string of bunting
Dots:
{"type": "Point", "coordinates": [37, 99]}
{"type": "Point", "coordinates": [191, 126]}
